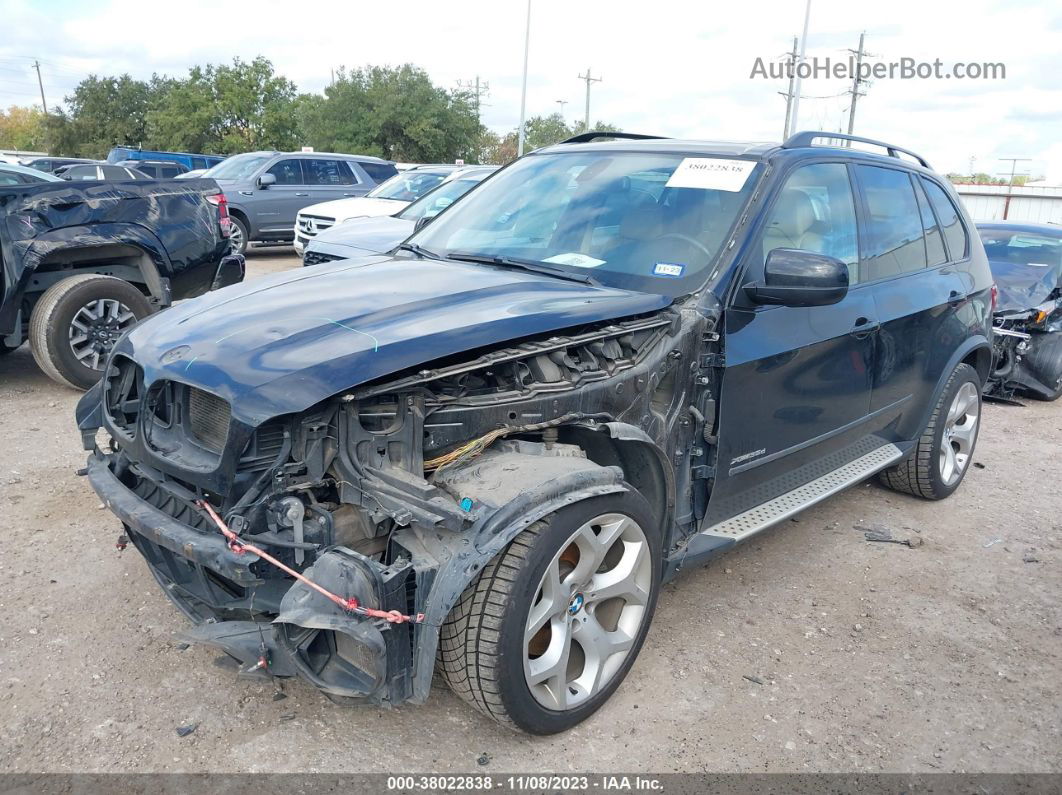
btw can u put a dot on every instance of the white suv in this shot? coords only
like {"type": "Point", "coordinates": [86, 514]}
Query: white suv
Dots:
{"type": "Point", "coordinates": [388, 198]}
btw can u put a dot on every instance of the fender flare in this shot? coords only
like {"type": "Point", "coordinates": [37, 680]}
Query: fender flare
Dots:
{"type": "Point", "coordinates": [468, 552]}
{"type": "Point", "coordinates": [971, 344]}
{"type": "Point", "coordinates": [154, 262]}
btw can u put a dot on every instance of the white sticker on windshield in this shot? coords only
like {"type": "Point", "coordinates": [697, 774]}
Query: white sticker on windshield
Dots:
{"type": "Point", "coordinates": [711, 173]}
{"type": "Point", "coordinates": [576, 259]}
{"type": "Point", "coordinates": [671, 269]}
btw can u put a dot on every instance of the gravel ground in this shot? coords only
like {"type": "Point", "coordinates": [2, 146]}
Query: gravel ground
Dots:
{"type": "Point", "coordinates": [808, 649]}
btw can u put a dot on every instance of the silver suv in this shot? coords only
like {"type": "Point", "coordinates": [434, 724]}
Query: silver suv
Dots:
{"type": "Point", "coordinates": [266, 190]}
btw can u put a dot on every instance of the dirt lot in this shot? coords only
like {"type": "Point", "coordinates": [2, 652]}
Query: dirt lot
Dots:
{"type": "Point", "coordinates": [809, 649]}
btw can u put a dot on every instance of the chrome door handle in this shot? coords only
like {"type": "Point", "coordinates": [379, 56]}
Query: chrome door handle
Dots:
{"type": "Point", "coordinates": [864, 327]}
{"type": "Point", "coordinates": [302, 194]}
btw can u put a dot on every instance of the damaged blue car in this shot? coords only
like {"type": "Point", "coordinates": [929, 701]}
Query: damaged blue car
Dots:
{"type": "Point", "coordinates": [481, 454]}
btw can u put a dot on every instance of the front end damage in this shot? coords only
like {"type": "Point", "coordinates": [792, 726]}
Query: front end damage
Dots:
{"type": "Point", "coordinates": [394, 494]}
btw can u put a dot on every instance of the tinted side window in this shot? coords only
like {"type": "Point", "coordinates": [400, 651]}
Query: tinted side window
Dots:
{"type": "Point", "coordinates": [287, 172]}
{"type": "Point", "coordinates": [379, 171]}
{"type": "Point", "coordinates": [7, 178]}
{"type": "Point", "coordinates": [815, 212]}
{"type": "Point", "coordinates": [169, 172]}
{"type": "Point", "coordinates": [82, 172]}
{"type": "Point", "coordinates": [895, 242]}
{"type": "Point", "coordinates": [326, 172]}
{"type": "Point", "coordinates": [199, 162]}
{"type": "Point", "coordinates": [934, 241]}
{"type": "Point", "coordinates": [954, 232]}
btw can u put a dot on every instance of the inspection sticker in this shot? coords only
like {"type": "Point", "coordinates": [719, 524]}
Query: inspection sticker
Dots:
{"type": "Point", "coordinates": [576, 259]}
{"type": "Point", "coordinates": [711, 173]}
{"type": "Point", "coordinates": [669, 269]}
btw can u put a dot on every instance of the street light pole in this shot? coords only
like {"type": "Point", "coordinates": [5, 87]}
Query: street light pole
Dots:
{"type": "Point", "coordinates": [523, 90]}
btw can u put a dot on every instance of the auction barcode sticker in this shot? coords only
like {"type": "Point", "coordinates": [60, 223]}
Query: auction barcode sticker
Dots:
{"type": "Point", "coordinates": [711, 173]}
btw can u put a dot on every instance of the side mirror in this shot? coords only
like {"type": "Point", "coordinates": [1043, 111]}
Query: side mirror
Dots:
{"type": "Point", "coordinates": [792, 277]}
{"type": "Point", "coordinates": [422, 222]}
{"type": "Point", "coordinates": [266, 180]}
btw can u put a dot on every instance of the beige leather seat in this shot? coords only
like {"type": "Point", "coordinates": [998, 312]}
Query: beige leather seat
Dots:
{"type": "Point", "coordinates": [791, 221]}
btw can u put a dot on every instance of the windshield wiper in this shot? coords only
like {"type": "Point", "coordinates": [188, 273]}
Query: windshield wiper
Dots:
{"type": "Point", "coordinates": [534, 266]}
{"type": "Point", "coordinates": [420, 251]}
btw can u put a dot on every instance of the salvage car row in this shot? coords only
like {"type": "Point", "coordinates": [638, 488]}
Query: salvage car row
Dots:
{"type": "Point", "coordinates": [475, 436]}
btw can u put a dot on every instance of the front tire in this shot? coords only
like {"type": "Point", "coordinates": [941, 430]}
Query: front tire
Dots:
{"type": "Point", "coordinates": [945, 449]}
{"type": "Point", "coordinates": [76, 322]}
{"type": "Point", "coordinates": [550, 627]}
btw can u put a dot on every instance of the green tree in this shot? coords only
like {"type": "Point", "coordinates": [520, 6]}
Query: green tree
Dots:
{"type": "Point", "coordinates": [106, 112]}
{"type": "Point", "coordinates": [393, 112]}
{"type": "Point", "coordinates": [22, 128]}
{"type": "Point", "coordinates": [225, 109]}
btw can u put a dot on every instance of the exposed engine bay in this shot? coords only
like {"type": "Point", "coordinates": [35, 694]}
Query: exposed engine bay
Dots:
{"type": "Point", "coordinates": [396, 492]}
{"type": "Point", "coordinates": [1027, 352]}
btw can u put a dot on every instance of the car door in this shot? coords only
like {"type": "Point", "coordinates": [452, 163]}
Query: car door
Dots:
{"type": "Point", "coordinates": [796, 382]}
{"type": "Point", "coordinates": [276, 206]}
{"type": "Point", "coordinates": [917, 291]}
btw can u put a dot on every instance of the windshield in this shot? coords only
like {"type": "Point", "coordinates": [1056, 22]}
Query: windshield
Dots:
{"type": "Point", "coordinates": [407, 186]}
{"type": "Point", "coordinates": [652, 222]}
{"type": "Point", "coordinates": [237, 167]}
{"type": "Point", "coordinates": [431, 204]}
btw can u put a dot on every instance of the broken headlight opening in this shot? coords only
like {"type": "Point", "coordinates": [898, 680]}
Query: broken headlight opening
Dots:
{"type": "Point", "coordinates": [390, 496]}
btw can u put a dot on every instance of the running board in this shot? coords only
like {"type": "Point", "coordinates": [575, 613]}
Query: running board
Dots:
{"type": "Point", "coordinates": [793, 502]}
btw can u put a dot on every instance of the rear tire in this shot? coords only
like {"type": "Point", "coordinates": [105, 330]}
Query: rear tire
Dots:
{"type": "Point", "coordinates": [515, 644]}
{"type": "Point", "coordinates": [238, 235]}
{"type": "Point", "coordinates": [931, 471]}
{"type": "Point", "coordinates": [76, 323]}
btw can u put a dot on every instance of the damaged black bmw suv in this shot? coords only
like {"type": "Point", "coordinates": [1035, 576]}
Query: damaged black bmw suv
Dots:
{"type": "Point", "coordinates": [481, 454]}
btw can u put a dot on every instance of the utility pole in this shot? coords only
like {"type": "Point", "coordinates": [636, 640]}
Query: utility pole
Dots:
{"type": "Point", "coordinates": [789, 93]}
{"type": "Point", "coordinates": [803, 50]}
{"type": "Point", "coordinates": [856, 81]}
{"type": "Point", "coordinates": [523, 90]}
{"type": "Point", "coordinates": [562, 103]}
{"type": "Point", "coordinates": [478, 90]}
{"type": "Point", "coordinates": [1010, 181]}
{"type": "Point", "coordinates": [44, 105]}
{"type": "Point", "coordinates": [589, 80]}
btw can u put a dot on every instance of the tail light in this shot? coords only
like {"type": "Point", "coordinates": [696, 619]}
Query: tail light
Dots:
{"type": "Point", "coordinates": [995, 297]}
{"type": "Point", "coordinates": [219, 201]}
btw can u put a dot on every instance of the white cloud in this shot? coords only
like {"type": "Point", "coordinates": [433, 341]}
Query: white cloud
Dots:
{"type": "Point", "coordinates": [670, 67]}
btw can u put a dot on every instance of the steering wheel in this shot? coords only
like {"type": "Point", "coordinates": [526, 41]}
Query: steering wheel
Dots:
{"type": "Point", "coordinates": [687, 239]}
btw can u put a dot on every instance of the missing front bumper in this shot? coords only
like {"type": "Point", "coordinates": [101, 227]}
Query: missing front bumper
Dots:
{"type": "Point", "coordinates": [276, 626]}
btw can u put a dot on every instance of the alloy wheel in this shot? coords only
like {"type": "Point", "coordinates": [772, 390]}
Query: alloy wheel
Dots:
{"type": "Point", "coordinates": [235, 238]}
{"type": "Point", "coordinates": [96, 327]}
{"type": "Point", "coordinates": [587, 611]}
{"type": "Point", "coordinates": [960, 433]}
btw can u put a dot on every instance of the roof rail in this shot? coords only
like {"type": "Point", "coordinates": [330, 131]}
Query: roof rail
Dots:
{"type": "Point", "coordinates": [801, 139]}
{"type": "Point", "coordinates": [586, 137]}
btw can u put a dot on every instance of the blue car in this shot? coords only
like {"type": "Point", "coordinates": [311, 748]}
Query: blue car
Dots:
{"type": "Point", "coordinates": [481, 454]}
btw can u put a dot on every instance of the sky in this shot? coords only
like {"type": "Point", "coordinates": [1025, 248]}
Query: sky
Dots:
{"type": "Point", "coordinates": [673, 68]}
